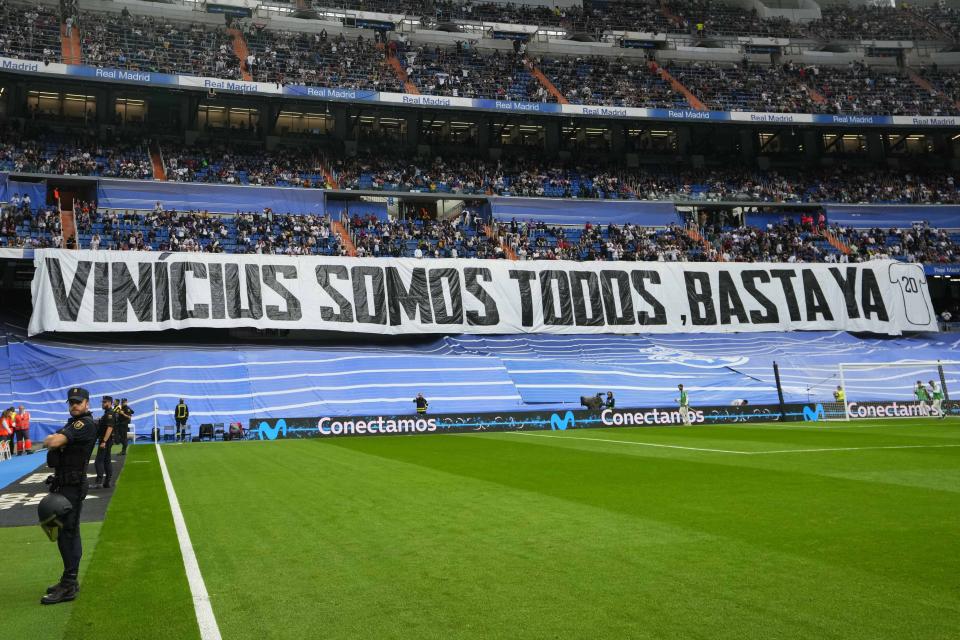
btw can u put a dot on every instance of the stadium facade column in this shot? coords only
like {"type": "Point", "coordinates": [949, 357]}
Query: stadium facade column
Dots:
{"type": "Point", "coordinates": [875, 150]}
{"type": "Point", "coordinates": [683, 140]}
{"type": "Point", "coordinates": [17, 100]}
{"type": "Point", "coordinates": [483, 134]}
{"type": "Point", "coordinates": [811, 145]}
{"type": "Point", "coordinates": [413, 129]}
{"type": "Point", "coordinates": [748, 145]}
{"type": "Point", "coordinates": [188, 111]}
{"type": "Point", "coordinates": [340, 128]}
{"type": "Point", "coordinates": [618, 138]}
{"type": "Point", "coordinates": [551, 136]}
{"type": "Point", "coordinates": [272, 112]}
{"type": "Point", "coordinates": [106, 104]}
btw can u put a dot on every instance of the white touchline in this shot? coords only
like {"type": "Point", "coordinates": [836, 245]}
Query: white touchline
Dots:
{"type": "Point", "coordinates": [201, 601]}
{"type": "Point", "coordinates": [742, 453]}
{"type": "Point", "coordinates": [642, 444]}
{"type": "Point", "coordinates": [892, 446]}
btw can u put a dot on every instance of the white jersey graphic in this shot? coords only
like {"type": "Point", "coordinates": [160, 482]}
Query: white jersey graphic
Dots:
{"type": "Point", "coordinates": [913, 288]}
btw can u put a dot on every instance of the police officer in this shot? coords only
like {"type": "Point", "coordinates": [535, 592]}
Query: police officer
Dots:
{"type": "Point", "coordinates": [68, 452]}
{"type": "Point", "coordinates": [421, 403]}
{"type": "Point", "coordinates": [124, 413]}
{"type": "Point", "coordinates": [180, 414]}
{"type": "Point", "coordinates": [105, 427]}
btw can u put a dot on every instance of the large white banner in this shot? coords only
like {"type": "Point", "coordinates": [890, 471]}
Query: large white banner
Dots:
{"type": "Point", "coordinates": [139, 291]}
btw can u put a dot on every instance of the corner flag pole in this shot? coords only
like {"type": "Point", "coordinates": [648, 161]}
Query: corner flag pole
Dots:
{"type": "Point", "coordinates": [156, 431]}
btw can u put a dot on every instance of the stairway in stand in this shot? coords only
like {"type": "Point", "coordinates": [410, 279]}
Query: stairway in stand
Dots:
{"type": "Point", "coordinates": [241, 51]}
{"type": "Point", "coordinates": [70, 46]}
{"type": "Point", "coordinates": [923, 83]}
{"type": "Point", "coordinates": [679, 87]}
{"type": "Point", "coordinates": [394, 63]}
{"type": "Point", "coordinates": [68, 226]}
{"type": "Point", "coordinates": [156, 159]}
{"type": "Point", "coordinates": [695, 235]}
{"type": "Point", "coordinates": [545, 82]}
{"type": "Point", "coordinates": [337, 227]}
{"type": "Point", "coordinates": [507, 249]}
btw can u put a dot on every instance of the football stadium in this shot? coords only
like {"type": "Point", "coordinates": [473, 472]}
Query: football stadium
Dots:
{"type": "Point", "coordinates": [479, 319]}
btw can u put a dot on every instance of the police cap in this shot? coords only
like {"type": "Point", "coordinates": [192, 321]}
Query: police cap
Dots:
{"type": "Point", "coordinates": [78, 394]}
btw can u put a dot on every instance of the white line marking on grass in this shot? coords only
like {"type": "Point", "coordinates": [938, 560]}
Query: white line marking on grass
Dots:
{"type": "Point", "coordinates": [894, 446]}
{"type": "Point", "coordinates": [201, 600]}
{"type": "Point", "coordinates": [743, 453]}
{"type": "Point", "coordinates": [642, 444]}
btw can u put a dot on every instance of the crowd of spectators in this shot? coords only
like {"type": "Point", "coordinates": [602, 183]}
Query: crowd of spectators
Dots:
{"type": "Point", "coordinates": [747, 87]}
{"type": "Point", "coordinates": [919, 243]}
{"type": "Point", "coordinates": [29, 224]}
{"type": "Point", "coordinates": [858, 88]}
{"type": "Point", "coordinates": [696, 17]}
{"type": "Point", "coordinates": [792, 240]}
{"type": "Point", "coordinates": [148, 43]}
{"type": "Point", "coordinates": [29, 32]}
{"type": "Point", "coordinates": [79, 154]}
{"type": "Point", "coordinates": [384, 169]}
{"type": "Point", "coordinates": [171, 230]}
{"type": "Point", "coordinates": [222, 162]}
{"type": "Point", "coordinates": [805, 237]}
{"type": "Point", "coordinates": [462, 237]}
{"type": "Point", "coordinates": [874, 22]}
{"type": "Point", "coordinates": [266, 232]}
{"type": "Point", "coordinates": [463, 71]}
{"type": "Point", "coordinates": [607, 81]}
{"type": "Point", "coordinates": [945, 20]}
{"type": "Point", "coordinates": [314, 59]}
{"type": "Point", "coordinates": [714, 18]}
{"type": "Point", "coordinates": [513, 177]}
{"type": "Point", "coordinates": [947, 84]}
{"type": "Point", "coordinates": [782, 88]}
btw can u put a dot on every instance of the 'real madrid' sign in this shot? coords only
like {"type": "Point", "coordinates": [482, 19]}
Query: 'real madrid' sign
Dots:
{"type": "Point", "coordinates": [142, 291]}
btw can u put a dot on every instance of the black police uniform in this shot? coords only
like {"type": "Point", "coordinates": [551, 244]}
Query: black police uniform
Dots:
{"type": "Point", "coordinates": [124, 413]}
{"type": "Point", "coordinates": [70, 480]}
{"type": "Point", "coordinates": [103, 463]}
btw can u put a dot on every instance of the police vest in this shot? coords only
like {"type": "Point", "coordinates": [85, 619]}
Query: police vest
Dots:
{"type": "Point", "coordinates": [70, 461]}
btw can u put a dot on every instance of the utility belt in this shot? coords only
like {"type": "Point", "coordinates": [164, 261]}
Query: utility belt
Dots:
{"type": "Point", "coordinates": [66, 478]}
{"type": "Point", "coordinates": [69, 467]}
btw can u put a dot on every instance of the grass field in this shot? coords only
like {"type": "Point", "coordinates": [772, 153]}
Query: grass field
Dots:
{"type": "Point", "coordinates": [753, 531]}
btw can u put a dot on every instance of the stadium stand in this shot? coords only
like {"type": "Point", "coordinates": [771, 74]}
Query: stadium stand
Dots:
{"type": "Point", "coordinates": [882, 23]}
{"type": "Point", "coordinates": [146, 43]}
{"type": "Point", "coordinates": [465, 72]}
{"type": "Point", "coordinates": [83, 154]}
{"type": "Point", "coordinates": [859, 89]}
{"type": "Point", "coordinates": [30, 33]}
{"type": "Point", "coordinates": [607, 81]}
{"type": "Point", "coordinates": [165, 45]}
{"type": "Point", "coordinates": [316, 60]}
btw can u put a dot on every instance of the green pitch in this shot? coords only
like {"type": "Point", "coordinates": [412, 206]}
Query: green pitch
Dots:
{"type": "Point", "coordinates": [756, 531]}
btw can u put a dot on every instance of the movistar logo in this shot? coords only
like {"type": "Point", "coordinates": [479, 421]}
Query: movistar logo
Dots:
{"type": "Point", "coordinates": [814, 414]}
{"type": "Point", "coordinates": [266, 432]}
{"type": "Point", "coordinates": [560, 424]}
